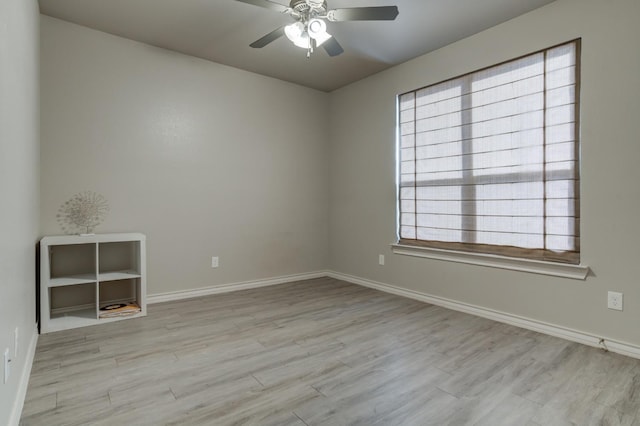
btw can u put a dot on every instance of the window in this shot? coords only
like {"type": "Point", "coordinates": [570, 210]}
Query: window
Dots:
{"type": "Point", "coordinates": [488, 162]}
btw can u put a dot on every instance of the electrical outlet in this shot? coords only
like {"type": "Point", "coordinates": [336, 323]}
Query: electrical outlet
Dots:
{"type": "Point", "coordinates": [614, 300]}
{"type": "Point", "coordinates": [381, 259]}
{"type": "Point", "coordinates": [214, 262]}
{"type": "Point", "coordinates": [15, 343]}
{"type": "Point", "coordinates": [7, 368]}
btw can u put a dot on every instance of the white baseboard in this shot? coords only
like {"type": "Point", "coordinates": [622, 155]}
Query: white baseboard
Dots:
{"type": "Point", "coordinates": [518, 321]}
{"type": "Point", "coordinates": [18, 403]}
{"type": "Point", "coordinates": [226, 288]}
{"type": "Point", "coordinates": [578, 336]}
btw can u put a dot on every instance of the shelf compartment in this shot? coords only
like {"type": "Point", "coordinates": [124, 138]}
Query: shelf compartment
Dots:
{"type": "Point", "coordinates": [119, 291]}
{"type": "Point", "coordinates": [74, 301]}
{"type": "Point", "coordinates": [72, 260]}
{"type": "Point", "coordinates": [119, 257]}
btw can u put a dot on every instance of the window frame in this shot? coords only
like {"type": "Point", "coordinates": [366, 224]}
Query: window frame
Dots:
{"type": "Point", "coordinates": [440, 248]}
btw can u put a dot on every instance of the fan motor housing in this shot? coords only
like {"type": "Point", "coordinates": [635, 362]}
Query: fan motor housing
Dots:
{"type": "Point", "coordinates": [306, 6]}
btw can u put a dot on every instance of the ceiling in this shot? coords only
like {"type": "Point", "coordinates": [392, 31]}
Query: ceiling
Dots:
{"type": "Point", "coordinates": [221, 31]}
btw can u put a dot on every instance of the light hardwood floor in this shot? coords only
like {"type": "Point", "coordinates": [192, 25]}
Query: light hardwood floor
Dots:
{"type": "Point", "coordinates": [323, 352]}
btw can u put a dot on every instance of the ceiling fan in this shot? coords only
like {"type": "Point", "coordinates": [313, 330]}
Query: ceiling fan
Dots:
{"type": "Point", "coordinates": [309, 31]}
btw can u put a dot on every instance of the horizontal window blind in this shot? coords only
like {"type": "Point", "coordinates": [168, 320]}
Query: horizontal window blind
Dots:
{"type": "Point", "coordinates": [488, 161]}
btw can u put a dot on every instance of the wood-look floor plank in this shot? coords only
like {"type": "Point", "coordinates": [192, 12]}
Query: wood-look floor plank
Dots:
{"type": "Point", "coordinates": [322, 352]}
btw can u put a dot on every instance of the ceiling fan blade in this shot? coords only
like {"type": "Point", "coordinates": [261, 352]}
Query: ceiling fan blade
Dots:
{"type": "Point", "coordinates": [332, 47]}
{"type": "Point", "coordinates": [272, 36]}
{"type": "Point", "coordinates": [267, 5]}
{"type": "Point", "coordinates": [382, 13]}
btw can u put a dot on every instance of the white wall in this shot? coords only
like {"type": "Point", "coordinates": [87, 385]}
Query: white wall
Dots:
{"type": "Point", "coordinates": [362, 217]}
{"type": "Point", "coordinates": [209, 160]}
{"type": "Point", "coordinates": [204, 159]}
{"type": "Point", "coordinates": [18, 187]}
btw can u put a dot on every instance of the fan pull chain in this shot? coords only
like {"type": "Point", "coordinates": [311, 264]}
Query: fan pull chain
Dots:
{"type": "Point", "coordinates": [312, 44]}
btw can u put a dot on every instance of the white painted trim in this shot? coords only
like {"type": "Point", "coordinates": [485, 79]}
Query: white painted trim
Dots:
{"type": "Point", "coordinates": [565, 270]}
{"type": "Point", "coordinates": [226, 288]}
{"type": "Point", "coordinates": [504, 317]}
{"type": "Point", "coordinates": [578, 336]}
{"type": "Point", "coordinates": [18, 403]}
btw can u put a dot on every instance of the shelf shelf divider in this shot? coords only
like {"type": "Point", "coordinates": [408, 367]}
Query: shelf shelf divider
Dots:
{"type": "Point", "coordinates": [117, 275]}
{"type": "Point", "coordinates": [72, 280]}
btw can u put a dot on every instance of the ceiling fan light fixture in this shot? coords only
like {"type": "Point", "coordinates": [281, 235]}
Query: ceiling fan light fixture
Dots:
{"type": "Point", "coordinates": [297, 34]}
{"type": "Point", "coordinates": [317, 30]}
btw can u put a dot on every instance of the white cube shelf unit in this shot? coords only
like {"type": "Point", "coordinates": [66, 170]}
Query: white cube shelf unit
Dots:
{"type": "Point", "coordinates": [79, 274]}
